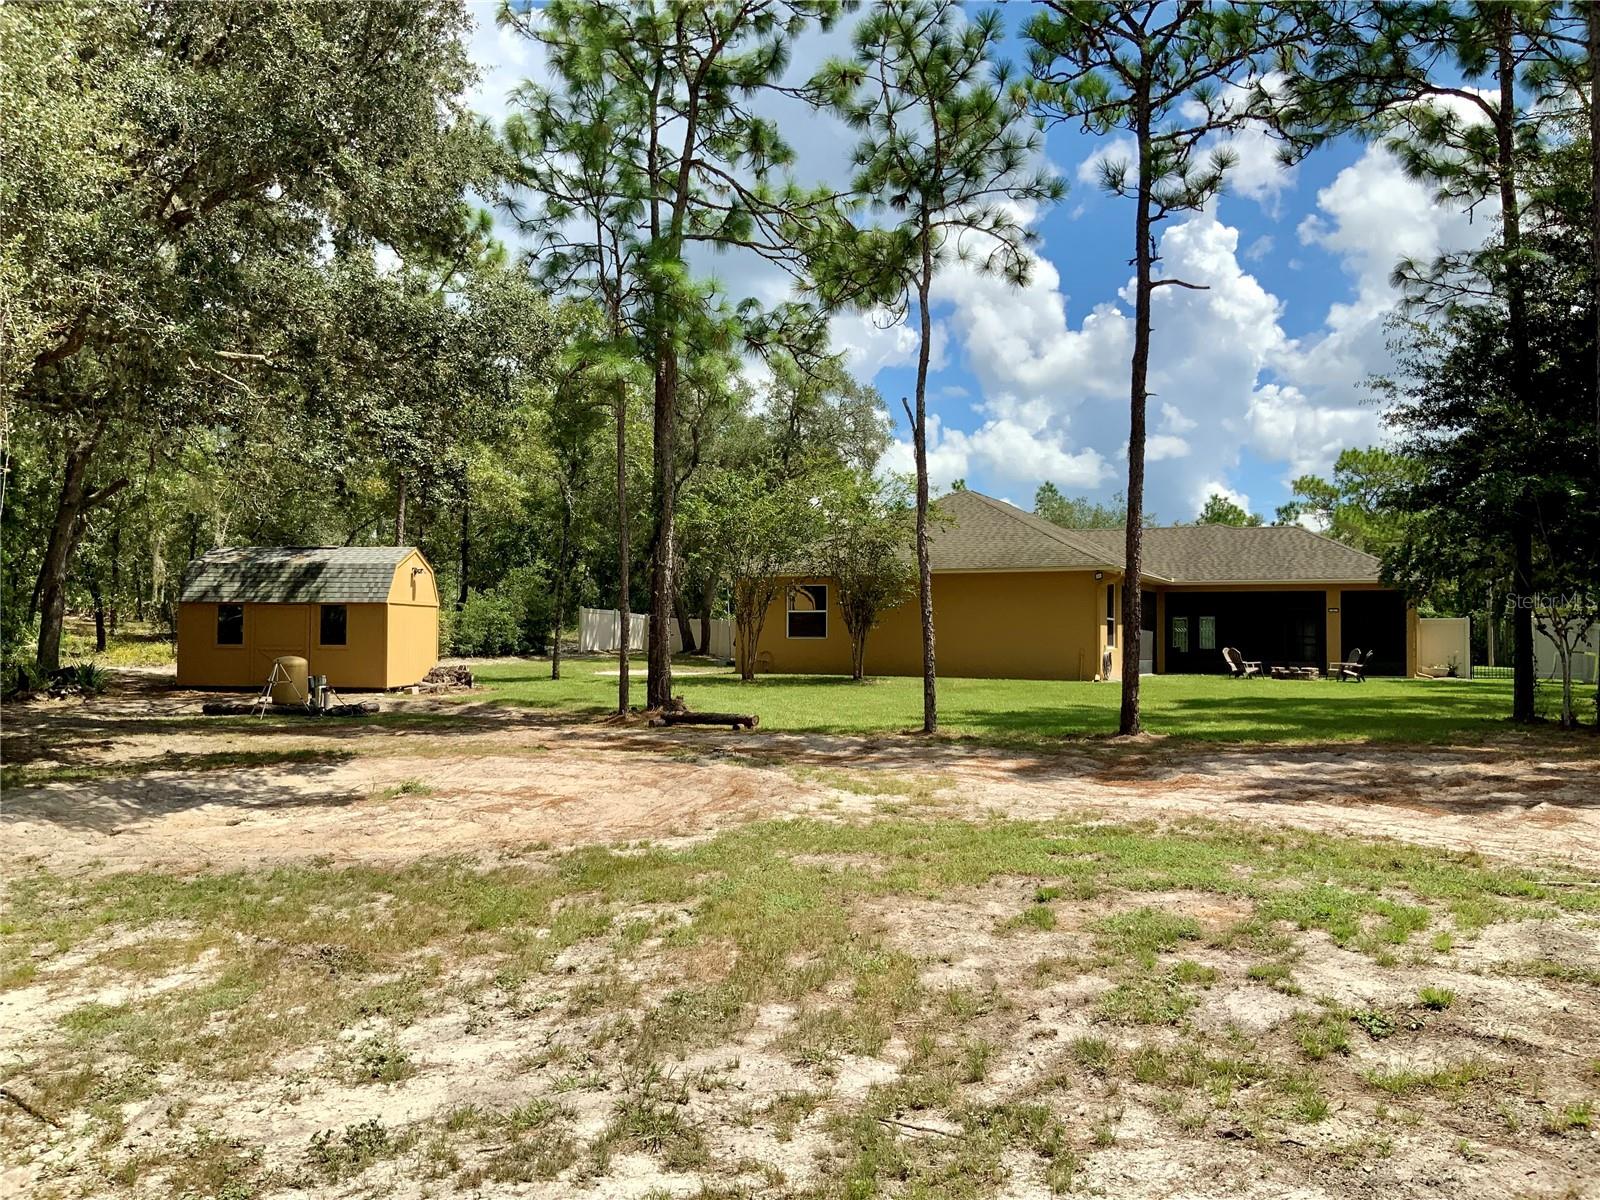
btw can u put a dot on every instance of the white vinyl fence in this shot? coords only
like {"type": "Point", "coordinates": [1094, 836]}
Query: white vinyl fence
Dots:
{"type": "Point", "coordinates": [598, 633]}
{"type": "Point", "coordinates": [1585, 659]}
{"type": "Point", "coordinates": [1442, 641]}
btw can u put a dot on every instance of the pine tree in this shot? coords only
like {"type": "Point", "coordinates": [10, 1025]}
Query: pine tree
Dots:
{"type": "Point", "coordinates": [947, 150]}
{"type": "Point", "coordinates": [577, 190]}
{"type": "Point", "coordinates": [694, 166]}
{"type": "Point", "coordinates": [1173, 75]}
{"type": "Point", "coordinates": [1409, 74]}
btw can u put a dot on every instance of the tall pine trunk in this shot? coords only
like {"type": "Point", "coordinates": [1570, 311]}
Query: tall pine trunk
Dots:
{"type": "Point", "coordinates": [1594, 198]}
{"type": "Point", "coordinates": [466, 548]}
{"type": "Point", "coordinates": [658, 684]}
{"type": "Point", "coordinates": [708, 596]}
{"type": "Point", "coordinates": [561, 583]}
{"type": "Point", "coordinates": [400, 515]}
{"type": "Point", "coordinates": [1594, 235]}
{"type": "Point", "coordinates": [624, 561]}
{"type": "Point", "coordinates": [1133, 543]}
{"type": "Point", "coordinates": [685, 627]}
{"type": "Point", "coordinates": [919, 434]}
{"type": "Point", "coordinates": [116, 575]}
{"type": "Point", "coordinates": [98, 596]}
{"type": "Point", "coordinates": [1522, 523]}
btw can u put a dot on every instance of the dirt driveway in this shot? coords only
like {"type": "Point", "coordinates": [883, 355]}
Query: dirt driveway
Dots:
{"type": "Point", "coordinates": [123, 785]}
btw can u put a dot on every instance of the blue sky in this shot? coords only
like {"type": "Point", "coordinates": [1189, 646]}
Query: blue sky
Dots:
{"type": "Point", "coordinates": [1255, 380]}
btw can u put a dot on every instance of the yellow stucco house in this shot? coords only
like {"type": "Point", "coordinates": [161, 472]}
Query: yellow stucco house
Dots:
{"type": "Point", "coordinates": [364, 616]}
{"type": "Point", "coordinates": [1017, 597]}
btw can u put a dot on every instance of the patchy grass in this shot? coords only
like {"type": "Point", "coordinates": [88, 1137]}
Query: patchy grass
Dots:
{"type": "Point", "coordinates": [1401, 1081]}
{"type": "Point", "coordinates": [917, 789]}
{"type": "Point", "coordinates": [338, 1155]}
{"type": "Point", "coordinates": [408, 787]}
{"type": "Point", "coordinates": [1211, 708]}
{"type": "Point", "coordinates": [135, 644]}
{"type": "Point", "coordinates": [1436, 999]}
{"type": "Point", "coordinates": [632, 980]}
{"type": "Point", "coordinates": [1569, 1117]}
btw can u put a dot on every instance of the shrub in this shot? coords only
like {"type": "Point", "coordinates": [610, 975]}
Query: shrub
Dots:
{"type": "Point", "coordinates": [24, 679]}
{"type": "Point", "coordinates": [488, 624]}
{"type": "Point", "coordinates": [513, 617]}
{"type": "Point", "coordinates": [87, 677]}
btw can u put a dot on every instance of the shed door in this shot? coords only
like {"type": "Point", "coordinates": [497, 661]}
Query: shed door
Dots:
{"type": "Point", "coordinates": [279, 629]}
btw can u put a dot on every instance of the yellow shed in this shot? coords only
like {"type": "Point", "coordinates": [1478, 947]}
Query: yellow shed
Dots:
{"type": "Point", "coordinates": [364, 616]}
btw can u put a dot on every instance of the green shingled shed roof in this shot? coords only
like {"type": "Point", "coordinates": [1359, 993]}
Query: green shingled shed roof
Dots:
{"type": "Point", "coordinates": [293, 575]}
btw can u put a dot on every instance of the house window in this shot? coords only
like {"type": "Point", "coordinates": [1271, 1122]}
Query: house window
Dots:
{"type": "Point", "coordinates": [1207, 632]}
{"type": "Point", "coordinates": [335, 621]}
{"type": "Point", "coordinates": [1111, 614]}
{"type": "Point", "coordinates": [808, 610]}
{"type": "Point", "coordinates": [230, 624]}
{"type": "Point", "coordinates": [1180, 634]}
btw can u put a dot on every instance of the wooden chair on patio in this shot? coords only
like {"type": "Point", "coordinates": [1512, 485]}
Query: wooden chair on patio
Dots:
{"type": "Point", "coordinates": [1355, 667]}
{"type": "Point", "coordinates": [1238, 666]}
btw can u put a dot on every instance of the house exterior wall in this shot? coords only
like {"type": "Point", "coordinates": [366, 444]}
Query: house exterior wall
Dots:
{"type": "Point", "coordinates": [1014, 625]}
{"type": "Point", "coordinates": [413, 622]}
{"type": "Point", "coordinates": [414, 583]}
{"type": "Point", "coordinates": [987, 624]}
{"type": "Point", "coordinates": [413, 643]}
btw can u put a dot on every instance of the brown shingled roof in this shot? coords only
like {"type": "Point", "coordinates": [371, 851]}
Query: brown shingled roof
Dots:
{"type": "Point", "coordinates": [989, 534]}
{"type": "Point", "coordinates": [980, 533]}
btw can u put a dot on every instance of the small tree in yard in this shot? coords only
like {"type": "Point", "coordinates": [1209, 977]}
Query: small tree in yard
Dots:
{"type": "Point", "coordinates": [763, 528]}
{"type": "Point", "coordinates": [1566, 619]}
{"type": "Point", "coordinates": [866, 550]}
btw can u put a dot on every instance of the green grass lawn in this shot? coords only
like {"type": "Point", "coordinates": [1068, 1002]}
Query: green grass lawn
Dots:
{"type": "Point", "coordinates": [1022, 710]}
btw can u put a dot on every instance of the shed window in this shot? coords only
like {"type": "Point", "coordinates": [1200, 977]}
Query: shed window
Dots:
{"type": "Point", "coordinates": [1111, 614]}
{"type": "Point", "coordinates": [230, 624]}
{"type": "Point", "coordinates": [1180, 634]}
{"type": "Point", "coordinates": [335, 619]}
{"type": "Point", "coordinates": [1208, 632]}
{"type": "Point", "coordinates": [808, 610]}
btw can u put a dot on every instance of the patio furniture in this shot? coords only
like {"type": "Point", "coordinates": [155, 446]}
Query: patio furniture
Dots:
{"type": "Point", "coordinates": [1354, 668]}
{"type": "Point", "coordinates": [1296, 673]}
{"type": "Point", "coordinates": [1238, 666]}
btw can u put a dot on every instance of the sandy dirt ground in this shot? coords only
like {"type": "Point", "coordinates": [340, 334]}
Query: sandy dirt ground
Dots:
{"type": "Point", "coordinates": [501, 779]}
{"type": "Point", "coordinates": [495, 783]}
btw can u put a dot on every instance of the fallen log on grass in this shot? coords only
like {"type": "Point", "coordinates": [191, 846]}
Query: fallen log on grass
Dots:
{"type": "Point", "coordinates": [670, 716]}
{"type": "Point", "coordinates": [364, 708]}
{"type": "Point", "coordinates": [219, 708]}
